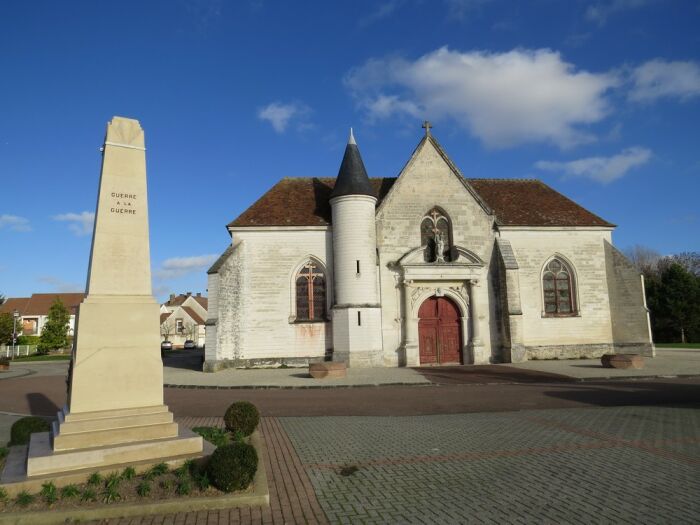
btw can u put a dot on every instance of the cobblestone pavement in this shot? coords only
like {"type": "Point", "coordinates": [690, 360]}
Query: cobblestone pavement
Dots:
{"type": "Point", "coordinates": [602, 465]}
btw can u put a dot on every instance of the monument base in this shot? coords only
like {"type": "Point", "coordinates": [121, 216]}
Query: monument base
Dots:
{"type": "Point", "coordinates": [89, 440]}
{"type": "Point", "coordinates": [14, 477]}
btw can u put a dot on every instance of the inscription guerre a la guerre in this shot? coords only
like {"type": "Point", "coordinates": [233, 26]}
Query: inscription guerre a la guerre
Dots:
{"type": "Point", "coordinates": [123, 203]}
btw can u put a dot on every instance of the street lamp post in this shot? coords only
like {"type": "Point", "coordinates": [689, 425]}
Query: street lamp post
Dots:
{"type": "Point", "coordinates": [15, 316]}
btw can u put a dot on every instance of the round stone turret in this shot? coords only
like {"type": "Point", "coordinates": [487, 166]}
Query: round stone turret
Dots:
{"type": "Point", "coordinates": [356, 310]}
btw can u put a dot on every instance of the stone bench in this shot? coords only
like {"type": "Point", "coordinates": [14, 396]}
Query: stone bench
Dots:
{"type": "Point", "coordinates": [622, 361]}
{"type": "Point", "coordinates": [327, 370]}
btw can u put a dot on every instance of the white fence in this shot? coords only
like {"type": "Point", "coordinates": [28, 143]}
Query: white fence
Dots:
{"type": "Point", "coordinates": [17, 350]}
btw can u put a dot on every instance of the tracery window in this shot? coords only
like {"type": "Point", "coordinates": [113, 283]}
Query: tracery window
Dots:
{"type": "Point", "coordinates": [436, 236]}
{"type": "Point", "coordinates": [311, 293]}
{"type": "Point", "coordinates": [558, 287]}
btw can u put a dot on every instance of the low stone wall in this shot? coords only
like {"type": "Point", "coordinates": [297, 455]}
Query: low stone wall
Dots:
{"type": "Point", "coordinates": [273, 362]}
{"type": "Point", "coordinates": [591, 351]}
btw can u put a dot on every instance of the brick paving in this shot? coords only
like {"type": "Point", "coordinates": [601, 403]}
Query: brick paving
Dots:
{"type": "Point", "coordinates": [608, 465]}
{"type": "Point", "coordinates": [292, 497]}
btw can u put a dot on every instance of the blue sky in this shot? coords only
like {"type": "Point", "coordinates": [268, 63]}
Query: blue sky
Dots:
{"type": "Point", "coordinates": [599, 99]}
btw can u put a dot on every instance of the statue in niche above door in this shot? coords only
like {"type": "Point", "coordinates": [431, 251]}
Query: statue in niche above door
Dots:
{"type": "Point", "coordinates": [436, 236]}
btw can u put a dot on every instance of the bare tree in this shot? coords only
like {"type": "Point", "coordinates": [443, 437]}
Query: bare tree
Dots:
{"type": "Point", "coordinates": [190, 331]}
{"type": "Point", "coordinates": [688, 260]}
{"type": "Point", "coordinates": [166, 330]}
{"type": "Point", "coordinates": [645, 259]}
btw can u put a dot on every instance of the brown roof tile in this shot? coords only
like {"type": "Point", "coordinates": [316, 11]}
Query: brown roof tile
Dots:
{"type": "Point", "coordinates": [194, 315]}
{"type": "Point", "coordinates": [516, 202]}
{"type": "Point", "coordinates": [14, 303]}
{"type": "Point", "coordinates": [530, 202]}
{"type": "Point", "coordinates": [179, 299]}
{"type": "Point", "coordinates": [39, 303]}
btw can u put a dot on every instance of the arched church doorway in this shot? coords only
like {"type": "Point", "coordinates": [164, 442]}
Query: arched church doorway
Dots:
{"type": "Point", "coordinates": [439, 332]}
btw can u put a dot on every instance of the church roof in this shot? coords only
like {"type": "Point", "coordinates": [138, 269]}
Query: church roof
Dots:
{"type": "Point", "coordinates": [516, 202]}
{"type": "Point", "coordinates": [352, 177]}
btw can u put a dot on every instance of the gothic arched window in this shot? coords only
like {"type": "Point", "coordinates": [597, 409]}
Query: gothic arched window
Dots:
{"type": "Point", "coordinates": [436, 236]}
{"type": "Point", "coordinates": [311, 293]}
{"type": "Point", "coordinates": [558, 287]}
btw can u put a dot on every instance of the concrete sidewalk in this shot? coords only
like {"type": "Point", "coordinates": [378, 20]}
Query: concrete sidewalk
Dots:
{"type": "Point", "coordinates": [669, 362]}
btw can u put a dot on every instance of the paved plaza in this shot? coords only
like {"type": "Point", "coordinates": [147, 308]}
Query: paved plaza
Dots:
{"type": "Point", "coordinates": [604, 465]}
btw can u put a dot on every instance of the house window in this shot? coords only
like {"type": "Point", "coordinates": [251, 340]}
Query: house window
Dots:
{"type": "Point", "coordinates": [558, 287]}
{"type": "Point", "coordinates": [435, 236]}
{"type": "Point", "coordinates": [311, 293]}
{"type": "Point", "coordinates": [179, 327]}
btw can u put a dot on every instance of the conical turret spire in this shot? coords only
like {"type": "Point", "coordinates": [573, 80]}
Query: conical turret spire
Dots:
{"type": "Point", "coordinates": [352, 176]}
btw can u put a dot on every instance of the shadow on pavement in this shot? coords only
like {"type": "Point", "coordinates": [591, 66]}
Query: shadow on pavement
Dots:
{"type": "Point", "coordinates": [484, 374]}
{"type": "Point", "coordinates": [40, 405]}
{"type": "Point", "coordinates": [642, 392]}
{"type": "Point", "coordinates": [184, 359]}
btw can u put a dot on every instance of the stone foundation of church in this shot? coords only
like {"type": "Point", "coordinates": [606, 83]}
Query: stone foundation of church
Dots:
{"type": "Point", "coordinates": [587, 351]}
{"type": "Point", "coordinates": [271, 362]}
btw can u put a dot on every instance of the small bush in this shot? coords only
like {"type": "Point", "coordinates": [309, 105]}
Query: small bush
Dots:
{"type": "Point", "coordinates": [88, 495]}
{"type": "Point", "coordinates": [49, 493]}
{"type": "Point", "coordinates": [3, 452]}
{"type": "Point", "coordinates": [159, 469]}
{"type": "Point", "coordinates": [28, 340]}
{"type": "Point", "coordinates": [167, 484]}
{"type": "Point", "coordinates": [214, 435]}
{"type": "Point", "coordinates": [94, 479]}
{"type": "Point", "coordinates": [111, 493]}
{"type": "Point", "coordinates": [184, 487]}
{"type": "Point", "coordinates": [24, 498]}
{"type": "Point", "coordinates": [143, 489]}
{"type": "Point", "coordinates": [201, 479]}
{"type": "Point", "coordinates": [182, 472]}
{"type": "Point", "coordinates": [70, 491]}
{"type": "Point", "coordinates": [128, 473]}
{"type": "Point", "coordinates": [3, 494]}
{"type": "Point", "coordinates": [242, 416]}
{"type": "Point", "coordinates": [23, 428]}
{"type": "Point", "coordinates": [232, 467]}
{"type": "Point", "coordinates": [112, 481]}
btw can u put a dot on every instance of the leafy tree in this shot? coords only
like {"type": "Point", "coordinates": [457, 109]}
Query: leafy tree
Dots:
{"type": "Point", "coordinates": [674, 301]}
{"type": "Point", "coordinates": [6, 327]}
{"type": "Point", "coordinates": [54, 335]}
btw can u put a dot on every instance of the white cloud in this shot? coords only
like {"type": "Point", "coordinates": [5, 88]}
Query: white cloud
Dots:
{"type": "Point", "coordinates": [460, 8]}
{"type": "Point", "coordinates": [179, 266]}
{"type": "Point", "coordinates": [504, 99]}
{"type": "Point", "coordinates": [14, 223]}
{"type": "Point", "coordinates": [658, 78]}
{"type": "Point", "coordinates": [600, 169]}
{"type": "Point", "coordinates": [79, 223]}
{"type": "Point", "coordinates": [383, 10]}
{"type": "Point", "coordinates": [600, 12]}
{"type": "Point", "coordinates": [280, 115]}
{"type": "Point", "coordinates": [59, 285]}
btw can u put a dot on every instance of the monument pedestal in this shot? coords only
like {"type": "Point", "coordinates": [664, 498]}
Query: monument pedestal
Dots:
{"type": "Point", "coordinates": [115, 414]}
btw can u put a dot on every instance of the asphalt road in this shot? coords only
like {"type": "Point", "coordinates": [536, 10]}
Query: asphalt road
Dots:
{"type": "Point", "coordinates": [44, 395]}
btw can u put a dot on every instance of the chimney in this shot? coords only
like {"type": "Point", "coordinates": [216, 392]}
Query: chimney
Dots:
{"type": "Point", "coordinates": [199, 294]}
{"type": "Point", "coordinates": [172, 296]}
{"type": "Point", "coordinates": [189, 294]}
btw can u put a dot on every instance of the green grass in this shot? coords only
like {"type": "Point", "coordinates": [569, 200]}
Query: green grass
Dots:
{"type": "Point", "coordinates": [678, 345]}
{"type": "Point", "coordinates": [62, 357]}
{"type": "Point", "coordinates": [214, 435]}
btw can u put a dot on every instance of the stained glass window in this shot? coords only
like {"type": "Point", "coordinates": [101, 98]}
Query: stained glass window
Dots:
{"type": "Point", "coordinates": [311, 293]}
{"type": "Point", "coordinates": [558, 287]}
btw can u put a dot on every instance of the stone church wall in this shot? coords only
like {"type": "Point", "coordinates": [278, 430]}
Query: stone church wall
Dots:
{"type": "Point", "coordinates": [630, 319]}
{"type": "Point", "coordinates": [262, 292]}
{"type": "Point", "coordinates": [427, 181]}
{"type": "Point", "coordinates": [589, 333]}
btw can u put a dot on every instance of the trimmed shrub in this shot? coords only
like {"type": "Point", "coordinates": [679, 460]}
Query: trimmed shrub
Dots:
{"type": "Point", "coordinates": [243, 417]}
{"type": "Point", "coordinates": [25, 427]}
{"type": "Point", "coordinates": [28, 340]}
{"type": "Point", "coordinates": [232, 467]}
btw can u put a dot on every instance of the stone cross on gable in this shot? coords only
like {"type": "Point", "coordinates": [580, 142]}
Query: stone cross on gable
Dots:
{"type": "Point", "coordinates": [426, 126]}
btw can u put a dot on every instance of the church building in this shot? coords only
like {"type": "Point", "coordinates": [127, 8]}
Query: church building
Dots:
{"type": "Point", "coordinates": [427, 268]}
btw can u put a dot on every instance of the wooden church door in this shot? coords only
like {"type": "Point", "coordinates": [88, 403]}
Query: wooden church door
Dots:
{"type": "Point", "coordinates": [439, 332]}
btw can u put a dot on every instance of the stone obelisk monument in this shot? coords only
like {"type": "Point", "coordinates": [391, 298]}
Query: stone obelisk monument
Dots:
{"type": "Point", "coordinates": [115, 412]}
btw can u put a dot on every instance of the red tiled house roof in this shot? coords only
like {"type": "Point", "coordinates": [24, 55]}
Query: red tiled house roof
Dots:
{"type": "Point", "coordinates": [515, 202]}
